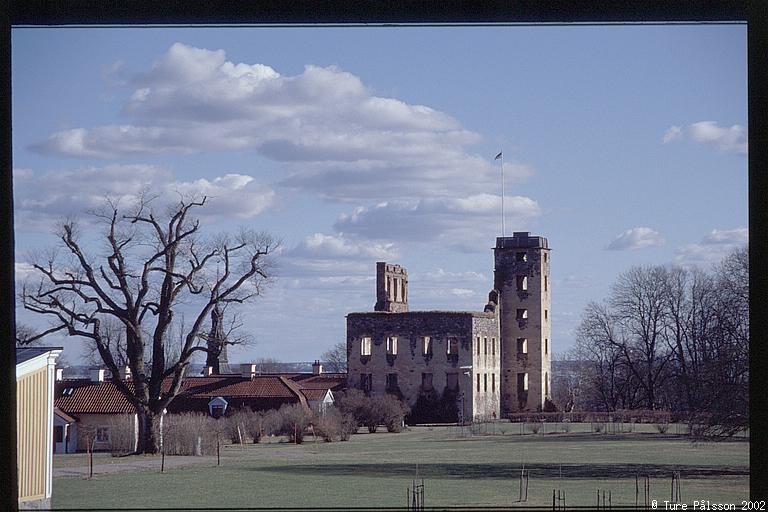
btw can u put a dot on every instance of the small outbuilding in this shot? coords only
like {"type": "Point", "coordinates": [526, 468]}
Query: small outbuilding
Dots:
{"type": "Point", "coordinates": [35, 377]}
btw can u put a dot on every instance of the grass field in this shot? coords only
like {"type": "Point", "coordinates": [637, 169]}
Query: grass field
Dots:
{"type": "Point", "coordinates": [482, 470]}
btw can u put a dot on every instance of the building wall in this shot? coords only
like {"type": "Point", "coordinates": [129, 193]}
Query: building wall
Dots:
{"type": "Point", "coordinates": [410, 363]}
{"type": "Point", "coordinates": [88, 424]}
{"type": "Point", "coordinates": [68, 443]}
{"type": "Point", "coordinates": [536, 300]}
{"type": "Point", "coordinates": [486, 364]}
{"type": "Point", "coordinates": [32, 418]}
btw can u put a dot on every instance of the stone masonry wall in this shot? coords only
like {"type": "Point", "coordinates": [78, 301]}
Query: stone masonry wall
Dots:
{"type": "Point", "coordinates": [410, 362]}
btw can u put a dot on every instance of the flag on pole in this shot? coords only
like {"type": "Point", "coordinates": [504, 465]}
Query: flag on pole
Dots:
{"type": "Point", "coordinates": [498, 156]}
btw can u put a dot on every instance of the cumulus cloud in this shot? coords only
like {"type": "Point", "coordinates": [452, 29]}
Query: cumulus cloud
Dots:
{"type": "Point", "coordinates": [42, 200]}
{"type": "Point", "coordinates": [331, 134]}
{"type": "Point", "coordinates": [728, 139]}
{"type": "Point", "coordinates": [335, 258]}
{"type": "Point", "coordinates": [636, 238]}
{"type": "Point", "coordinates": [465, 223]}
{"type": "Point", "coordinates": [713, 247]}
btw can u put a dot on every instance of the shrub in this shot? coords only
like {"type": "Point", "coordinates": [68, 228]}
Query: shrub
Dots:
{"type": "Point", "coordinates": [295, 418]}
{"type": "Point", "coordinates": [348, 426]}
{"type": "Point", "coordinates": [393, 411]}
{"type": "Point", "coordinates": [254, 424]}
{"type": "Point", "coordinates": [272, 422]}
{"type": "Point", "coordinates": [235, 425]}
{"type": "Point", "coordinates": [121, 434]}
{"type": "Point", "coordinates": [190, 434]}
{"type": "Point", "coordinates": [329, 424]}
{"type": "Point", "coordinates": [354, 402]}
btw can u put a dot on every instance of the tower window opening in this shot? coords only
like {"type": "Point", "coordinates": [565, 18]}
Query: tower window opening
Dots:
{"type": "Point", "coordinates": [478, 345]}
{"type": "Point", "coordinates": [522, 382]}
{"type": "Point", "coordinates": [392, 345]}
{"type": "Point", "coordinates": [493, 346]}
{"type": "Point", "coordinates": [452, 381]}
{"type": "Point", "coordinates": [485, 382]}
{"type": "Point", "coordinates": [426, 381]}
{"type": "Point", "coordinates": [522, 283]}
{"type": "Point", "coordinates": [546, 282]}
{"type": "Point", "coordinates": [493, 383]}
{"type": "Point", "coordinates": [365, 346]}
{"type": "Point", "coordinates": [546, 345]}
{"type": "Point", "coordinates": [522, 314]}
{"type": "Point", "coordinates": [452, 346]}
{"type": "Point", "coordinates": [546, 314]}
{"type": "Point", "coordinates": [478, 382]}
{"type": "Point", "coordinates": [366, 381]}
{"type": "Point", "coordinates": [521, 256]}
{"type": "Point", "coordinates": [391, 381]}
{"type": "Point", "coordinates": [485, 345]}
{"type": "Point", "coordinates": [426, 346]}
{"type": "Point", "coordinates": [522, 345]}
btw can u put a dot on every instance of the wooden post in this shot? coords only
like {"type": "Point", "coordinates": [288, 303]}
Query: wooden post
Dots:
{"type": "Point", "coordinates": [90, 457]}
{"type": "Point", "coordinates": [162, 461]}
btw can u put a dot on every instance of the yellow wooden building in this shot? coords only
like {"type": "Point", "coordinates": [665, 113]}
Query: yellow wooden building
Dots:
{"type": "Point", "coordinates": [35, 377]}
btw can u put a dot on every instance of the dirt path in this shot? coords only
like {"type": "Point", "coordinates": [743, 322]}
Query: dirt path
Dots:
{"type": "Point", "coordinates": [135, 464]}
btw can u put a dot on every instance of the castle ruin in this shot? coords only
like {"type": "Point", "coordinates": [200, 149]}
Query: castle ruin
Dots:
{"type": "Point", "coordinates": [489, 363]}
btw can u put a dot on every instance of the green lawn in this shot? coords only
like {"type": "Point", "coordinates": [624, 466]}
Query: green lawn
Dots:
{"type": "Point", "coordinates": [375, 469]}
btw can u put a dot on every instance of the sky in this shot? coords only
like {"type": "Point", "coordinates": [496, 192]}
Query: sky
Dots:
{"type": "Point", "coordinates": [623, 145]}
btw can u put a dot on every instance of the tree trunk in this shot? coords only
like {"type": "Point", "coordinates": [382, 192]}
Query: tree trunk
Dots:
{"type": "Point", "coordinates": [148, 440]}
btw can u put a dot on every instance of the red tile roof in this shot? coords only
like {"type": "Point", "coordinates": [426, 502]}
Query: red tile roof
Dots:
{"type": "Point", "coordinates": [85, 397]}
{"type": "Point", "coordinates": [314, 394]}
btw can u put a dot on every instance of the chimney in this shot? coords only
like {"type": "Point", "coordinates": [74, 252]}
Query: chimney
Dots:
{"type": "Point", "coordinates": [317, 368]}
{"type": "Point", "coordinates": [98, 375]}
{"type": "Point", "coordinates": [59, 374]}
{"type": "Point", "coordinates": [248, 370]}
{"type": "Point", "coordinates": [125, 372]}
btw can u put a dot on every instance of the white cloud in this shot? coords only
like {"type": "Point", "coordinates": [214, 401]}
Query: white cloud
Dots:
{"type": "Point", "coordinates": [636, 238]}
{"type": "Point", "coordinates": [713, 247]}
{"type": "Point", "coordinates": [331, 134]}
{"type": "Point", "coordinates": [465, 223]}
{"type": "Point", "coordinates": [320, 246]}
{"type": "Point", "coordinates": [730, 140]}
{"type": "Point", "coordinates": [43, 200]}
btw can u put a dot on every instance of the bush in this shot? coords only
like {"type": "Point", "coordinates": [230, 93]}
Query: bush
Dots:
{"type": "Point", "coordinates": [329, 424]}
{"type": "Point", "coordinates": [354, 402]}
{"type": "Point", "coordinates": [254, 424]}
{"type": "Point", "coordinates": [235, 425]}
{"type": "Point", "coordinates": [121, 434]}
{"type": "Point", "coordinates": [190, 434]}
{"type": "Point", "coordinates": [295, 418]}
{"type": "Point", "coordinates": [349, 426]}
{"type": "Point", "coordinates": [272, 422]}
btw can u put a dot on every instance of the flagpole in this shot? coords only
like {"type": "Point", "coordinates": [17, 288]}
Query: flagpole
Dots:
{"type": "Point", "coordinates": [502, 193]}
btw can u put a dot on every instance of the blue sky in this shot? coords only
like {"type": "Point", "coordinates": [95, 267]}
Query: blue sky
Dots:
{"type": "Point", "coordinates": [624, 145]}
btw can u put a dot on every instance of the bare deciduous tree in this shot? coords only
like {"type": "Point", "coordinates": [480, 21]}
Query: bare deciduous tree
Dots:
{"type": "Point", "coordinates": [149, 266]}
{"type": "Point", "coordinates": [336, 358]}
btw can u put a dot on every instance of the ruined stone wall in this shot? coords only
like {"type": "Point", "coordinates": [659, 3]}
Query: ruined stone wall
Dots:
{"type": "Point", "coordinates": [410, 362]}
{"type": "Point", "coordinates": [511, 271]}
{"type": "Point", "coordinates": [486, 368]}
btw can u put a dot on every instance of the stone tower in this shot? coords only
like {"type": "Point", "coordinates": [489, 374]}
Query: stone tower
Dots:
{"type": "Point", "coordinates": [391, 288]}
{"type": "Point", "coordinates": [521, 278]}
